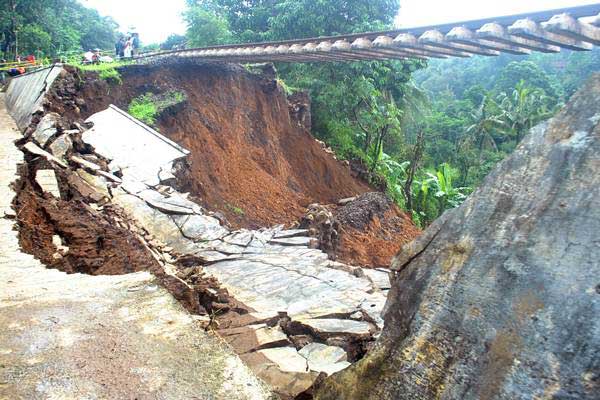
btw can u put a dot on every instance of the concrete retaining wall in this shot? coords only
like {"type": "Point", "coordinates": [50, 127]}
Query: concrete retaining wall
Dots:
{"type": "Point", "coordinates": [26, 93]}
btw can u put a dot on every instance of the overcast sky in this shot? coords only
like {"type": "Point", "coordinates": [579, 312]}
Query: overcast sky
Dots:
{"type": "Point", "coordinates": [155, 20]}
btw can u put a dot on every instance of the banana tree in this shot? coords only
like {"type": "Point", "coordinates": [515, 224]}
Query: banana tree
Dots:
{"type": "Point", "coordinates": [523, 109]}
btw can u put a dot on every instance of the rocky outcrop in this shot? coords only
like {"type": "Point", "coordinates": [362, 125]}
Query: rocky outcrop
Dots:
{"type": "Point", "coordinates": [499, 299]}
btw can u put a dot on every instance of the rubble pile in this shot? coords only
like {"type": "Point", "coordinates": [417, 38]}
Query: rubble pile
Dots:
{"type": "Point", "coordinates": [290, 312]}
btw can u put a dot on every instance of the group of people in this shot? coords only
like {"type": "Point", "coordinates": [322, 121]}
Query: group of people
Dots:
{"type": "Point", "coordinates": [127, 46]}
{"type": "Point", "coordinates": [19, 66]}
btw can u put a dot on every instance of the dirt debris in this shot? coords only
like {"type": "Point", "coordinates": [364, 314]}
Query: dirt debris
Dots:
{"type": "Point", "coordinates": [367, 230]}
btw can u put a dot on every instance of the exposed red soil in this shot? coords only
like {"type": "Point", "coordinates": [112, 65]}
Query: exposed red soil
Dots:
{"type": "Point", "coordinates": [367, 231]}
{"type": "Point", "coordinates": [252, 159]}
{"type": "Point", "coordinates": [97, 246]}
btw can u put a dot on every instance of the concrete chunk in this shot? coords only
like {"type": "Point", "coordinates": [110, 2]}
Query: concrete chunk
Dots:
{"type": "Point", "coordinates": [61, 146]}
{"type": "Point", "coordinates": [45, 129]}
{"type": "Point", "coordinates": [332, 326]}
{"type": "Point", "coordinates": [46, 178]}
{"type": "Point", "coordinates": [323, 358]}
{"type": "Point", "coordinates": [286, 358]}
{"type": "Point", "coordinates": [35, 149]}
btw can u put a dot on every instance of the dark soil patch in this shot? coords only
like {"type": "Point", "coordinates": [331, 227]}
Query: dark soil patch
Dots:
{"type": "Point", "coordinates": [367, 231]}
{"type": "Point", "coordinates": [97, 245]}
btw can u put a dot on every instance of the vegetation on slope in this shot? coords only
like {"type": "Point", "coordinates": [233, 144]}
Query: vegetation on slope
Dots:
{"type": "Point", "coordinates": [428, 140]}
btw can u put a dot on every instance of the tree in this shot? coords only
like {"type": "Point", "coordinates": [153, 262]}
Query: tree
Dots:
{"type": "Point", "coordinates": [523, 109]}
{"type": "Point", "coordinates": [480, 133]}
{"type": "Point", "coordinates": [52, 26]}
{"type": "Point", "coordinates": [206, 28]}
{"type": "Point", "coordinates": [529, 72]}
{"type": "Point", "coordinates": [174, 41]}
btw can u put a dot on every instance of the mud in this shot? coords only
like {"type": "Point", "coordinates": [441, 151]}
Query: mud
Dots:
{"type": "Point", "coordinates": [366, 231]}
{"type": "Point", "coordinates": [97, 244]}
{"type": "Point", "coordinates": [252, 157]}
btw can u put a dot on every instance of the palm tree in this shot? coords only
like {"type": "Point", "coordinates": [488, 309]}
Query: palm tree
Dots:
{"type": "Point", "coordinates": [523, 109]}
{"type": "Point", "coordinates": [479, 133]}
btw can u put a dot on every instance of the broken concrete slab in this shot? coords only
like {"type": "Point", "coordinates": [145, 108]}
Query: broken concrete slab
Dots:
{"type": "Point", "coordinates": [289, 383]}
{"type": "Point", "coordinates": [199, 227]}
{"type": "Point", "coordinates": [46, 178]}
{"type": "Point", "coordinates": [286, 358]}
{"type": "Point", "coordinates": [336, 327]}
{"type": "Point", "coordinates": [96, 182]}
{"type": "Point", "coordinates": [85, 163]}
{"type": "Point", "coordinates": [295, 241]}
{"type": "Point", "coordinates": [141, 153]}
{"type": "Point", "coordinates": [380, 278]}
{"type": "Point", "coordinates": [324, 358]}
{"type": "Point", "coordinates": [61, 146]}
{"type": "Point", "coordinates": [45, 129]}
{"type": "Point", "coordinates": [172, 204]}
{"type": "Point", "coordinates": [35, 149]}
{"type": "Point", "coordinates": [254, 337]}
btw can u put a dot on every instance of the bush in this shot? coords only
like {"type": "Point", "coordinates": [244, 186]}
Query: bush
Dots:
{"type": "Point", "coordinates": [144, 109]}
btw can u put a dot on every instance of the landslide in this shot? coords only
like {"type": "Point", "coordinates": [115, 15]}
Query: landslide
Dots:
{"type": "Point", "coordinates": [250, 159]}
{"type": "Point", "coordinates": [367, 230]}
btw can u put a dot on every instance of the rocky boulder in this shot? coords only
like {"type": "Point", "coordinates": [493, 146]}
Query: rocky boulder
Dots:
{"type": "Point", "coordinates": [500, 298]}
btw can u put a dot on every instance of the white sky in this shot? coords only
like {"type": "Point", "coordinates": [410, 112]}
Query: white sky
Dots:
{"type": "Point", "coordinates": [155, 20]}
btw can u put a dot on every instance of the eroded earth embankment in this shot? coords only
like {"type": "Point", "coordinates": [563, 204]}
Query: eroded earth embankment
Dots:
{"type": "Point", "coordinates": [252, 158]}
{"type": "Point", "coordinates": [95, 197]}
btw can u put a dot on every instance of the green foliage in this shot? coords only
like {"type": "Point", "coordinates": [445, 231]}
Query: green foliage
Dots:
{"type": "Point", "coordinates": [173, 41]}
{"type": "Point", "coordinates": [111, 75]}
{"type": "Point", "coordinates": [49, 27]}
{"type": "Point", "coordinates": [144, 109]}
{"type": "Point", "coordinates": [206, 28]}
{"type": "Point", "coordinates": [148, 106]}
{"type": "Point", "coordinates": [34, 40]}
{"type": "Point", "coordinates": [234, 209]}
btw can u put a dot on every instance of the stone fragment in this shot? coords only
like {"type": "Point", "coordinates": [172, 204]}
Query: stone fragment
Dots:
{"type": "Point", "coordinates": [85, 163]}
{"type": "Point", "coordinates": [323, 358]}
{"type": "Point", "coordinates": [61, 146]}
{"type": "Point", "coordinates": [35, 149]}
{"type": "Point", "coordinates": [46, 129]}
{"type": "Point", "coordinates": [334, 326]}
{"type": "Point", "coordinates": [199, 227]}
{"type": "Point", "coordinates": [46, 178]}
{"type": "Point", "coordinates": [286, 358]}
{"type": "Point", "coordinates": [347, 200]}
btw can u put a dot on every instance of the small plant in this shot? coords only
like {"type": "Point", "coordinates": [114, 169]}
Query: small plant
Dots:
{"type": "Point", "coordinates": [144, 109]}
{"type": "Point", "coordinates": [236, 210]}
{"type": "Point", "coordinates": [111, 75]}
{"type": "Point", "coordinates": [288, 90]}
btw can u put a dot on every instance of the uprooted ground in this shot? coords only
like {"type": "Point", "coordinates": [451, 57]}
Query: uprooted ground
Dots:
{"type": "Point", "coordinates": [252, 159]}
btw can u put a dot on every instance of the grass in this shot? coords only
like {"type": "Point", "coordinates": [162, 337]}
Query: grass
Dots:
{"type": "Point", "coordinates": [106, 71]}
{"type": "Point", "coordinates": [236, 210]}
{"type": "Point", "coordinates": [144, 108]}
{"type": "Point", "coordinates": [148, 106]}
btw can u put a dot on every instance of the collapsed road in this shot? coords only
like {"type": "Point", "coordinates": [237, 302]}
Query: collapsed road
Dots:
{"type": "Point", "coordinates": [476, 305]}
{"type": "Point", "coordinates": [94, 197]}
